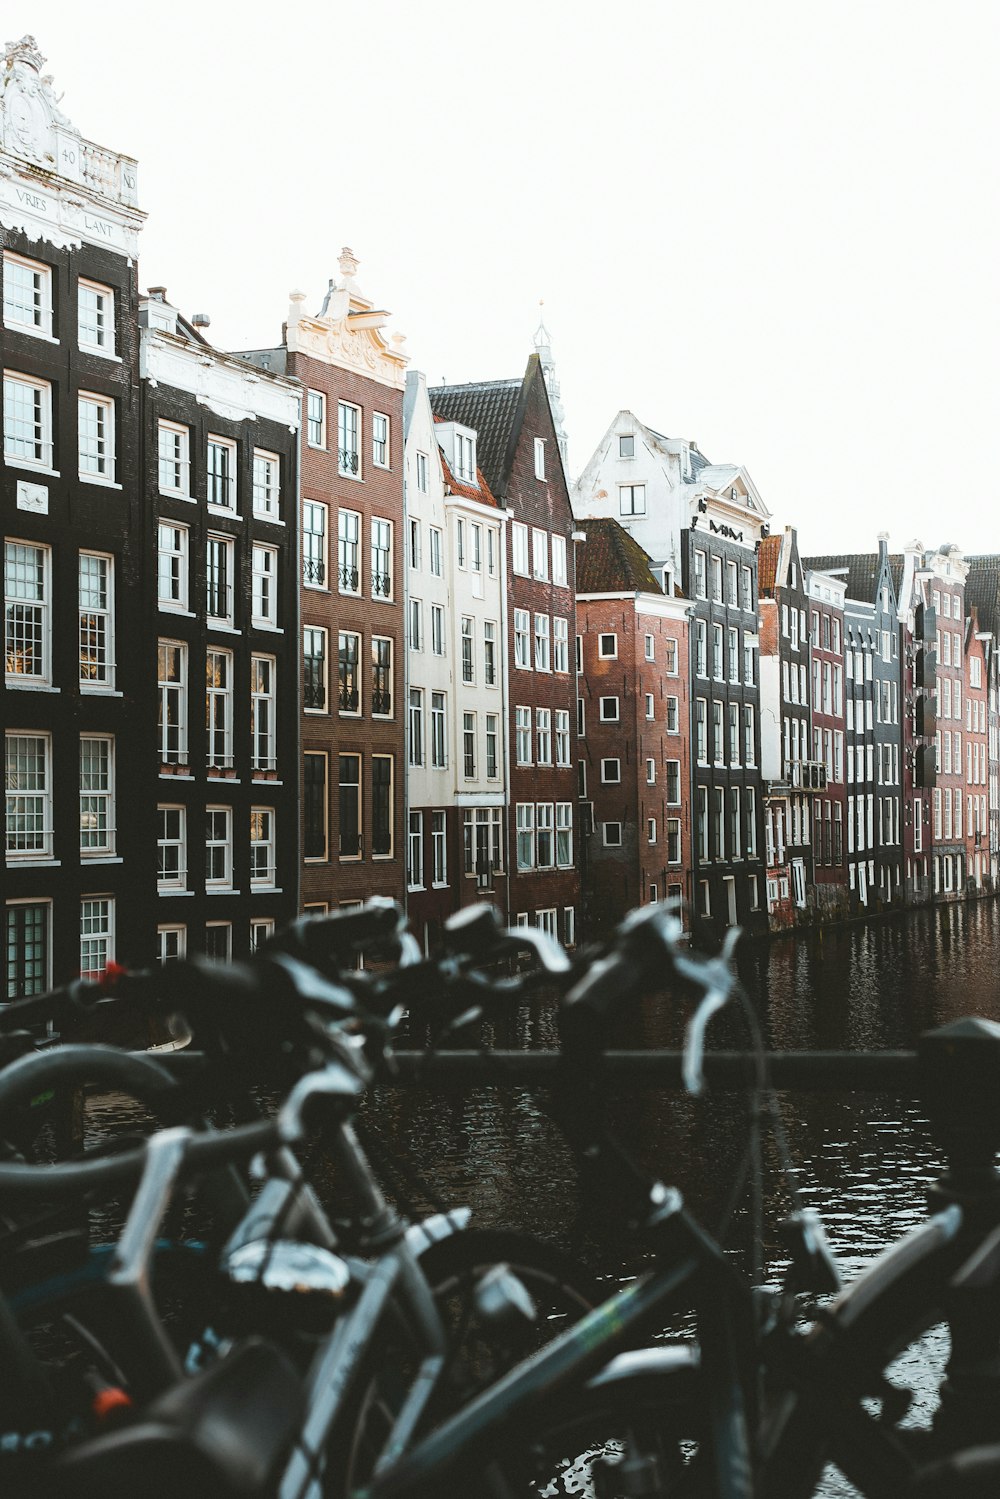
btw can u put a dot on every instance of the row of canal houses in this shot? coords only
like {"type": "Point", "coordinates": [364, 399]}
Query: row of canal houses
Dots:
{"type": "Point", "coordinates": [286, 628]}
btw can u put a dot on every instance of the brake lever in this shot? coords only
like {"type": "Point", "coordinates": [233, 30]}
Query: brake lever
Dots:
{"type": "Point", "coordinates": [716, 978]}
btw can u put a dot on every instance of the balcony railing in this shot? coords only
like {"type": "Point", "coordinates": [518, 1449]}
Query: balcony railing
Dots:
{"type": "Point", "coordinates": [381, 700]}
{"type": "Point", "coordinates": [348, 461]}
{"type": "Point", "coordinates": [348, 579]}
{"type": "Point", "coordinates": [313, 571]}
{"type": "Point", "coordinates": [348, 699]}
{"type": "Point", "coordinates": [381, 585]}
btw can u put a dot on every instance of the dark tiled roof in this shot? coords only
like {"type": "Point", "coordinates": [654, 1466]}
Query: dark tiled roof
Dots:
{"type": "Point", "coordinates": [611, 560]}
{"type": "Point", "coordinates": [982, 591]}
{"type": "Point", "coordinates": [767, 564]}
{"type": "Point", "coordinates": [861, 568]}
{"type": "Point", "coordinates": [490, 408]}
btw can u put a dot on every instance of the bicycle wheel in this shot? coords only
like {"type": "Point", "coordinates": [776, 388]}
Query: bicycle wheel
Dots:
{"type": "Point", "coordinates": [479, 1351]}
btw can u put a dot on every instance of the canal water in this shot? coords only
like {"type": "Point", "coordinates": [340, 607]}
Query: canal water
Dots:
{"type": "Point", "coordinates": [863, 1160]}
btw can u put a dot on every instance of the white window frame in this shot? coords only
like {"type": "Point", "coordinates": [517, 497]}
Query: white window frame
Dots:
{"type": "Point", "coordinates": [40, 323]}
{"type": "Point", "coordinates": [539, 555]}
{"type": "Point", "coordinates": [23, 612]}
{"type": "Point", "coordinates": [609, 714]}
{"type": "Point", "coordinates": [543, 659]}
{"type": "Point", "coordinates": [522, 735]}
{"type": "Point", "coordinates": [611, 834]}
{"type": "Point", "coordinates": [439, 731]}
{"type": "Point", "coordinates": [172, 565]}
{"type": "Point", "coordinates": [40, 440]}
{"type": "Point", "coordinates": [415, 851]}
{"type": "Point", "coordinates": [311, 635]}
{"type": "Point", "coordinates": [381, 557]}
{"type": "Point", "coordinates": [380, 442]}
{"type": "Point", "coordinates": [266, 488]}
{"type": "Point", "coordinates": [175, 436]}
{"type": "Point", "coordinates": [164, 932]}
{"type": "Point", "coordinates": [102, 341]}
{"type": "Point", "coordinates": [522, 639]}
{"type": "Point", "coordinates": [631, 499]}
{"type": "Point", "coordinates": [95, 453]}
{"type": "Point", "coordinates": [95, 798]}
{"type": "Point", "coordinates": [316, 565]}
{"type": "Point", "coordinates": [220, 587]}
{"type": "Point", "coordinates": [262, 821]}
{"type": "Point", "coordinates": [540, 458]}
{"type": "Point", "coordinates": [560, 575]}
{"type": "Point", "coordinates": [603, 654]}
{"type": "Point", "coordinates": [525, 835]}
{"type": "Point", "coordinates": [218, 848]}
{"type": "Point", "coordinates": [263, 713]}
{"type": "Point", "coordinates": [348, 545]}
{"type": "Point", "coordinates": [97, 933]}
{"type": "Point", "coordinates": [436, 544]}
{"type": "Point", "coordinates": [439, 850]}
{"type": "Point", "coordinates": [175, 877]}
{"type": "Point", "coordinates": [543, 735]}
{"type": "Point", "coordinates": [611, 772]}
{"type": "Point", "coordinates": [349, 464]}
{"type": "Point", "coordinates": [437, 630]}
{"type": "Point", "coordinates": [170, 690]}
{"type": "Point", "coordinates": [422, 473]}
{"type": "Point", "coordinates": [30, 803]}
{"type": "Point", "coordinates": [415, 726]}
{"type": "Point", "coordinates": [562, 737]}
{"type": "Point", "coordinates": [491, 676]}
{"type": "Point", "coordinates": [564, 835]}
{"type": "Point", "coordinates": [468, 650]}
{"type": "Point", "coordinates": [219, 712]}
{"type": "Point", "coordinates": [96, 627]}
{"type": "Point", "coordinates": [519, 549]}
{"type": "Point", "coordinates": [316, 419]}
{"type": "Point", "coordinates": [224, 482]}
{"type": "Point", "coordinates": [264, 586]}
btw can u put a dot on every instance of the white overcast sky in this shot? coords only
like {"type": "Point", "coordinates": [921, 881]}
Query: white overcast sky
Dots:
{"type": "Point", "coordinates": [769, 227]}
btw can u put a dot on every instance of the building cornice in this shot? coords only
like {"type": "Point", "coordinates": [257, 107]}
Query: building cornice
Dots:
{"type": "Point", "coordinates": [221, 382]}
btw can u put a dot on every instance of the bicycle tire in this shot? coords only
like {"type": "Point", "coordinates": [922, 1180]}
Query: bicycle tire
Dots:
{"type": "Point", "coordinates": [562, 1290]}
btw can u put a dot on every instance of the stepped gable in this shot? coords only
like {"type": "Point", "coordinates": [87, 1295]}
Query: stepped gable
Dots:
{"type": "Point", "coordinates": [610, 560]}
{"type": "Point", "coordinates": [767, 564]}
{"type": "Point", "coordinates": [490, 409]}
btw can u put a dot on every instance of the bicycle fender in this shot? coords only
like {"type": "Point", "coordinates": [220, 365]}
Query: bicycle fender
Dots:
{"type": "Point", "coordinates": [420, 1236]}
{"type": "Point", "coordinates": [669, 1361]}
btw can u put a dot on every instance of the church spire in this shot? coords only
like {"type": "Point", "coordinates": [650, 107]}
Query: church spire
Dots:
{"type": "Point", "coordinates": [543, 348]}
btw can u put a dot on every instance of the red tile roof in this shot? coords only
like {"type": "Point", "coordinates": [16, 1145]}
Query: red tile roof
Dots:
{"type": "Point", "coordinates": [767, 563]}
{"type": "Point", "coordinates": [470, 491]}
{"type": "Point", "coordinates": [611, 560]}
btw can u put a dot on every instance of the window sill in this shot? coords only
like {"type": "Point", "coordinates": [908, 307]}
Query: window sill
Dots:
{"type": "Point", "coordinates": [99, 353]}
{"type": "Point", "coordinates": [415, 889]}
{"type": "Point", "coordinates": [258, 779]}
{"type": "Point", "coordinates": [269, 520]}
{"type": "Point", "coordinates": [38, 862]}
{"type": "Point", "coordinates": [89, 859]}
{"type": "Point", "coordinates": [220, 779]}
{"type": "Point", "coordinates": [382, 858]}
{"type": "Point", "coordinates": [222, 629]}
{"type": "Point", "coordinates": [261, 624]}
{"type": "Point", "coordinates": [44, 338]}
{"type": "Point", "coordinates": [316, 712]}
{"type": "Point", "coordinates": [181, 774]}
{"type": "Point", "coordinates": [224, 510]}
{"type": "Point", "coordinates": [177, 494]}
{"type": "Point", "coordinates": [15, 684]}
{"type": "Point", "coordinates": [263, 890]}
{"type": "Point", "coordinates": [354, 478]}
{"type": "Point", "coordinates": [96, 479]}
{"type": "Point", "coordinates": [164, 890]}
{"type": "Point", "coordinates": [175, 610]}
{"type": "Point", "coordinates": [31, 468]}
{"type": "Point", "coordinates": [441, 885]}
{"type": "Point", "coordinates": [315, 587]}
{"type": "Point", "coordinates": [221, 890]}
{"type": "Point", "coordinates": [87, 689]}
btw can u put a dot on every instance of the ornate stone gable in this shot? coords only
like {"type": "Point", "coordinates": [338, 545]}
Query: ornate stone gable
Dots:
{"type": "Point", "coordinates": [55, 185]}
{"type": "Point", "coordinates": [348, 331]}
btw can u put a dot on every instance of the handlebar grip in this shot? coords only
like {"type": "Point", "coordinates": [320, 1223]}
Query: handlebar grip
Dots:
{"type": "Point", "coordinates": [74, 1065]}
{"type": "Point", "coordinates": [642, 959]}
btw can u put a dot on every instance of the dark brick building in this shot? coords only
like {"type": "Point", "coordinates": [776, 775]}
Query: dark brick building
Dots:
{"type": "Point", "coordinates": [518, 453]}
{"type": "Point", "coordinates": [77, 700]}
{"type": "Point", "coordinates": [220, 474]}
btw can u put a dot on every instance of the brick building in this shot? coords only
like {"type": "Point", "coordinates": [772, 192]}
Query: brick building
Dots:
{"type": "Point", "coordinates": [220, 447]}
{"type": "Point", "coordinates": [351, 603]}
{"type": "Point", "coordinates": [977, 821]}
{"type": "Point", "coordinates": [517, 449]}
{"type": "Point", "coordinates": [982, 593]}
{"type": "Point", "coordinates": [825, 596]}
{"type": "Point", "coordinates": [78, 700]}
{"type": "Point", "coordinates": [634, 755]}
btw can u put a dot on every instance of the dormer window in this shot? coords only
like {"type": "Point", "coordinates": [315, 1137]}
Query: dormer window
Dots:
{"type": "Point", "coordinates": [734, 495]}
{"type": "Point", "coordinates": [465, 457]}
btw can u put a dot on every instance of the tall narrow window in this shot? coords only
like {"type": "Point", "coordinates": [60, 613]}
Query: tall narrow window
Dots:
{"type": "Point", "coordinates": [560, 643]}
{"type": "Point", "coordinates": [380, 440]}
{"type": "Point", "coordinates": [422, 472]}
{"type": "Point", "coordinates": [522, 738]}
{"type": "Point", "coordinates": [525, 821]}
{"type": "Point", "coordinates": [221, 473]}
{"type": "Point", "coordinates": [96, 437]}
{"type": "Point", "coordinates": [316, 419]}
{"type": "Point", "coordinates": [348, 450]}
{"type": "Point", "coordinates": [381, 704]}
{"type": "Point", "coordinates": [439, 736]}
{"type": "Point", "coordinates": [27, 949]}
{"type": "Point", "coordinates": [382, 807]}
{"type": "Point", "coordinates": [469, 745]}
{"type": "Point", "coordinates": [350, 806]}
{"type": "Point", "coordinates": [219, 567]}
{"type": "Point", "coordinates": [263, 859]}
{"type": "Point", "coordinates": [313, 544]}
{"type": "Point", "coordinates": [173, 459]}
{"type": "Point", "coordinates": [218, 848]}
{"type": "Point", "coordinates": [545, 835]}
{"type": "Point", "coordinates": [264, 587]}
{"type": "Point", "coordinates": [490, 653]}
{"type": "Point", "coordinates": [416, 725]}
{"type": "Point", "coordinates": [381, 559]}
{"type": "Point", "coordinates": [437, 629]}
{"type": "Point", "coordinates": [266, 484]}
{"type": "Point", "coordinates": [559, 574]}
{"type": "Point", "coordinates": [172, 688]}
{"type": "Point", "coordinates": [492, 742]}
{"type": "Point", "coordinates": [314, 672]}
{"type": "Point", "coordinates": [97, 935]}
{"type": "Point", "coordinates": [415, 851]}
{"type": "Point", "coordinates": [172, 566]}
{"type": "Point", "coordinates": [543, 730]}
{"type": "Point", "coordinates": [349, 551]}
{"type": "Point", "coordinates": [28, 781]}
{"type": "Point", "coordinates": [349, 659]}
{"type": "Point", "coordinates": [27, 619]}
{"type": "Point", "coordinates": [437, 553]}
{"type": "Point", "coordinates": [522, 638]}
{"type": "Point", "coordinates": [97, 795]}
{"type": "Point", "coordinates": [171, 848]}
{"type": "Point", "coordinates": [439, 847]}
{"type": "Point", "coordinates": [468, 651]}
{"type": "Point", "coordinates": [262, 713]}
{"type": "Point", "coordinates": [97, 635]}
{"type": "Point", "coordinates": [95, 317]}
{"type": "Point", "coordinates": [219, 708]}
{"type": "Point", "coordinates": [315, 809]}
{"type": "Point", "coordinates": [562, 736]}
{"type": "Point", "coordinates": [564, 834]}
{"type": "Point", "coordinates": [542, 660]}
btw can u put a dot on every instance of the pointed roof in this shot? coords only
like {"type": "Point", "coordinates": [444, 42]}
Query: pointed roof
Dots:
{"type": "Point", "coordinates": [767, 564]}
{"type": "Point", "coordinates": [982, 590]}
{"type": "Point", "coordinates": [861, 570]}
{"type": "Point", "coordinates": [610, 561]}
{"type": "Point", "coordinates": [494, 410]}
